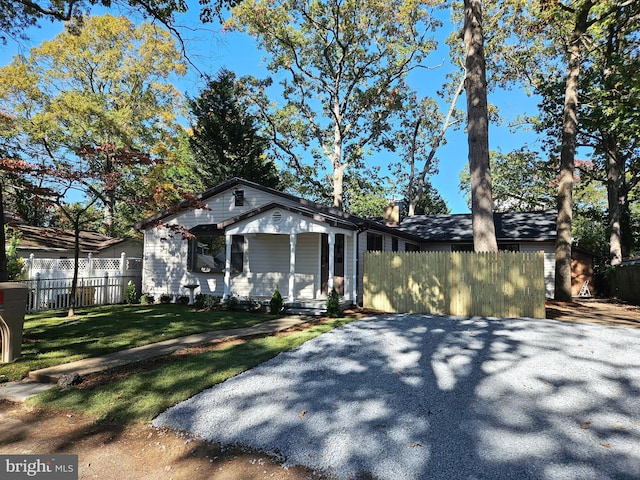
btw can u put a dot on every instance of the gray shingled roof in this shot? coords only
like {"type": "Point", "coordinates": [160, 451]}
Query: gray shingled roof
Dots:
{"type": "Point", "coordinates": [58, 239]}
{"type": "Point", "coordinates": [529, 226]}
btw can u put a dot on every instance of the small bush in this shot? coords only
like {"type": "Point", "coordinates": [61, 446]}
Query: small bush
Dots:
{"type": "Point", "coordinates": [204, 301]}
{"type": "Point", "coordinates": [231, 302]}
{"type": "Point", "coordinates": [147, 299]}
{"type": "Point", "coordinates": [183, 300]}
{"type": "Point", "coordinates": [333, 304]}
{"type": "Point", "coordinates": [165, 298]}
{"type": "Point", "coordinates": [130, 295]}
{"type": "Point", "coordinates": [276, 303]}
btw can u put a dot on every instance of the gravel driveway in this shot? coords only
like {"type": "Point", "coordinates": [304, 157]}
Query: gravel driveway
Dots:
{"type": "Point", "coordinates": [433, 397]}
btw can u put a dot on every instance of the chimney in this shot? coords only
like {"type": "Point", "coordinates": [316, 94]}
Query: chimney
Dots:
{"type": "Point", "coordinates": [391, 215]}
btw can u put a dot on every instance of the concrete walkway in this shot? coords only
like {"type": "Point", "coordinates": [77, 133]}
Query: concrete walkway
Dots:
{"type": "Point", "coordinates": [46, 378]}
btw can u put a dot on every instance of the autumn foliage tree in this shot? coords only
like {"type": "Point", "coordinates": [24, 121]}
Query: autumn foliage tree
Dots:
{"type": "Point", "coordinates": [342, 68]}
{"type": "Point", "coordinates": [104, 90]}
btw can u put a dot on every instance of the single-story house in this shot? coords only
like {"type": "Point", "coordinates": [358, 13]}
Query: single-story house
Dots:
{"type": "Point", "coordinates": [245, 239]}
{"type": "Point", "coordinates": [49, 242]}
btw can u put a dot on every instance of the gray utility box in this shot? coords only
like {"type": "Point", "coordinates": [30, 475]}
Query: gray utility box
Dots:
{"type": "Point", "coordinates": [13, 304]}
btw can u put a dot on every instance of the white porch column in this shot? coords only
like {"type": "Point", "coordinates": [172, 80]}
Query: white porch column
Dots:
{"type": "Point", "coordinates": [354, 281]}
{"type": "Point", "coordinates": [292, 267]}
{"type": "Point", "coordinates": [332, 254]}
{"type": "Point", "coordinates": [227, 266]}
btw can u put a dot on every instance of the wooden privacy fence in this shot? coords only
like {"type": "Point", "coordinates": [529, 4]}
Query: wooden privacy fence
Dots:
{"type": "Point", "coordinates": [503, 284]}
{"type": "Point", "coordinates": [625, 283]}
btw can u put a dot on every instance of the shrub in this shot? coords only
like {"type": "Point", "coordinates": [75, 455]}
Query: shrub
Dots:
{"type": "Point", "coordinates": [130, 295]}
{"type": "Point", "coordinates": [15, 263]}
{"type": "Point", "coordinates": [183, 300]}
{"type": "Point", "coordinates": [204, 301]}
{"type": "Point", "coordinates": [276, 303]}
{"type": "Point", "coordinates": [231, 302]}
{"type": "Point", "coordinates": [147, 299]}
{"type": "Point", "coordinates": [165, 298]}
{"type": "Point", "coordinates": [333, 304]}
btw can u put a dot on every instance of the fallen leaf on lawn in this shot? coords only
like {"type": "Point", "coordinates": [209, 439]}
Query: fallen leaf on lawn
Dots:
{"type": "Point", "coordinates": [414, 445]}
{"type": "Point", "coordinates": [585, 425]}
{"type": "Point", "coordinates": [302, 413]}
{"type": "Point", "coordinates": [606, 445]}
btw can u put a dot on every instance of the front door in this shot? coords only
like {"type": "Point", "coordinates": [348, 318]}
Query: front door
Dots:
{"type": "Point", "coordinates": [338, 264]}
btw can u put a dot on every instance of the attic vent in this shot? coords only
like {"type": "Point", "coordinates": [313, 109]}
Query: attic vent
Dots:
{"type": "Point", "coordinates": [276, 216]}
{"type": "Point", "coordinates": [239, 198]}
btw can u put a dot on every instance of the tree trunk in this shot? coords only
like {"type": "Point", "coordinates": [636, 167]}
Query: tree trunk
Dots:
{"type": "Point", "coordinates": [107, 221]}
{"type": "Point", "coordinates": [4, 274]}
{"type": "Point", "coordinates": [109, 199]}
{"type": "Point", "coordinates": [338, 187]}
{"type": "Point", "coordinates": [615, 177]}
{"type": "Point", "coordinates": [484, 234]}
{"type": "Point", "coordinates": [336, 162]}
{"type": "Point", "coordinates": [567, 158]}
{"type": "Point", "coordinates": [76, 265]}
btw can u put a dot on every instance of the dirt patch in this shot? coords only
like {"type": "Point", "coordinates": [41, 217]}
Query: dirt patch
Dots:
{"type": "Point", "coordinates": [112, 451]}
{"type": "Point", "coordinates": [600, 311]}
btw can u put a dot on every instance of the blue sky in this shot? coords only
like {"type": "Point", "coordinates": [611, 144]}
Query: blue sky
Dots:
{"type": "Point", "coordinates": [210, 49]}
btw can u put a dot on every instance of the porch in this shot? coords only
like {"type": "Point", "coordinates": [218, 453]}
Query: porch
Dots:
{"type": "Point", "coordinates": [304, 258]}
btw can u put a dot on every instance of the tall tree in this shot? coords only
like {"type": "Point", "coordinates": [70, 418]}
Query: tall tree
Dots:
{"type": "Point", "coordinates": [611, 119]}
{"type": "Point", "coordinates": [521, 181]}
{"type": "Point", "coordinates": [342, 66]}
{"type": "Point", "coordinates": [17, 16]}
{"type": "Point", "coordinates": [107, 88]}
{"type": "Point", "coordinates": [545, 38]}
{"type": "Point", "coordinates": [169, 182]}
{"type": "Point", "coordinates": [226, 141]}
{"type": "Point", "coordinates": [422, 130]}
{"type": "Point", "coordinates": [484, 232]}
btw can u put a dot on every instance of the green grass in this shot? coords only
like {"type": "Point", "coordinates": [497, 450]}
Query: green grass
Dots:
{"type": "Point", "coordinates": [142, 396]}
{"type": "Point", "coordinates": [52, 338]}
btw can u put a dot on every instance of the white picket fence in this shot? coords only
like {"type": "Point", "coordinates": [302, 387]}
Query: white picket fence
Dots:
{"type": "Point", "coordinates": [54, 293]}
{"type": "Point", "coordinates": [101, 281]}
{"type": "Point", "coordinates": [61, 268]}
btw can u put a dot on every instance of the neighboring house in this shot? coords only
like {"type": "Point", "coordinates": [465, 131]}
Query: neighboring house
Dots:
{"type": "Point", "coordinates": [46, 242]}
{"type": "Point", "coordinates": [250, 239]}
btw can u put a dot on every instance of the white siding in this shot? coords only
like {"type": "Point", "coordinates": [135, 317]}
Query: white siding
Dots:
{"type": "Point", "coordinates": [164, 268]}
{"type": "Point", "coordinates": [131, 248]}
{"type": "Point", "coordinates": [266, 256]}
{"type": "Point", "coordinates": [266, 265]}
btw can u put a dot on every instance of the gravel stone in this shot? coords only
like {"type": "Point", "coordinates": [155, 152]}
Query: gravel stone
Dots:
{"type": "Point", "coordinates": [398, 397]}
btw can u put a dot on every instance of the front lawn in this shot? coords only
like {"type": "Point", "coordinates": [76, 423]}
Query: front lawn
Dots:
{"type": "Point", "coordinates": [142, 395]}
{"type": "Point", "coordinates": [52, 338]}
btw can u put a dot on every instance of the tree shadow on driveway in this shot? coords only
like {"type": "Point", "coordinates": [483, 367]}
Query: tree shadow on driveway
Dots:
{"type": "Point", "coordinates": [428, 396]}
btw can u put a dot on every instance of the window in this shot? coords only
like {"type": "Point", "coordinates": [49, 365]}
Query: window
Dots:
{"type": "Point", "coordinates": [462, 247]}
{"type": "Point", "coordinates": [207, 254]}
{"type": "Point", "coordinates": [374, 242]}
{"type": "Point", "coordinates": [238, 196]}
{"type": "Point", "coordinates": [394, 244]}
{"type": "Point", "coordinates": [411, 247]}
{"type": "Point", "coordinates": [509, 247]}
